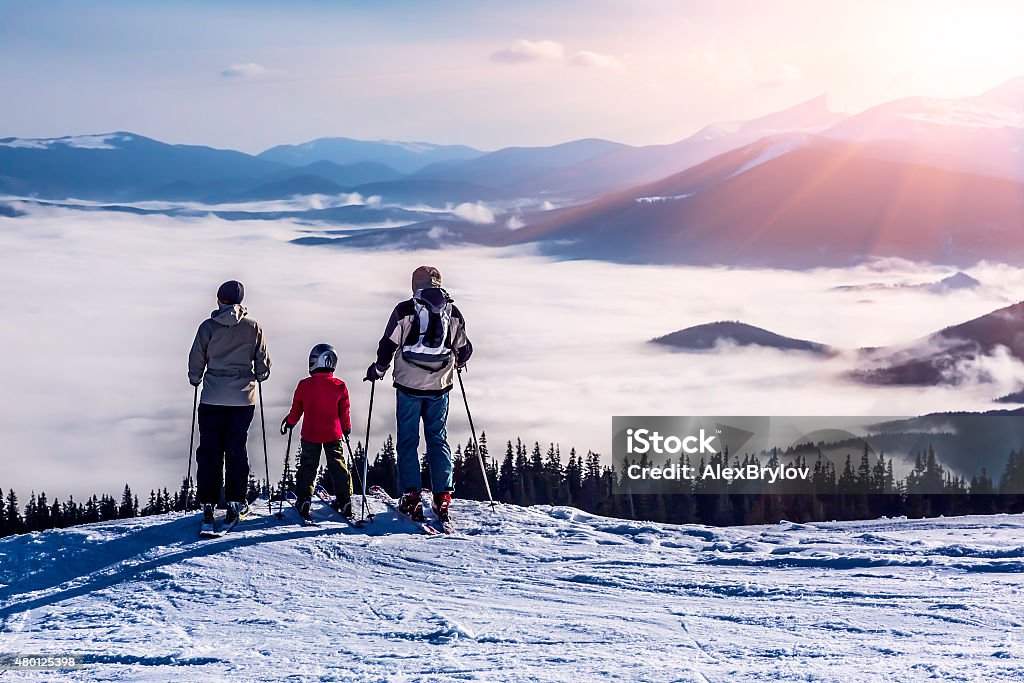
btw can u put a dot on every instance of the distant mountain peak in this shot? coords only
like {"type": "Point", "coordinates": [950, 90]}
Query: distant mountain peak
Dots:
{"type": "Point", "coordinates": [94, 141]}
{"type": "Point", "coordinates": [815, 114]}
{"type": "Point", "coordinates": [710, 335]}
{"type": "Point", "coordinates": [1009, 94]}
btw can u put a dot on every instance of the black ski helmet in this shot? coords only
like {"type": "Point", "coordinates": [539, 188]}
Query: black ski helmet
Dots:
{"type": "Point", "coordinates": [322, 358]}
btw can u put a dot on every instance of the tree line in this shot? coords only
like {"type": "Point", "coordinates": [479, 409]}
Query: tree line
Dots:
{"type": "Point", "coordinates": [865, 487]}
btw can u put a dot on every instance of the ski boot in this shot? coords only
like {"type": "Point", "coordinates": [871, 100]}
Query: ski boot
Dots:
{"type": "Point", "coordinates": [442, 501]}
{"type": "Point", "coordinates": [235, 511]}
{"type": "Point", "coordinates": [344, 509]}
{"type": "Point", "coordinates": [207, 527]}
{"type": "Point", "coordinates": [303, 508]}
{"type": "Point", "coordinates": [411, 505]}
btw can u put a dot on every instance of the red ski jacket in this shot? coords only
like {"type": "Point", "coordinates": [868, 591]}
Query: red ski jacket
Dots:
{"type": "Point", "coordinates": [324, 400]}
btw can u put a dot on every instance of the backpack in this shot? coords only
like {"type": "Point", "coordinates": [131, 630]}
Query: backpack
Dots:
{"type": "Point", "coordinates": [429, 338]}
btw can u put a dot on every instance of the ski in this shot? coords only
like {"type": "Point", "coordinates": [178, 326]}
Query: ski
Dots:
{"type": "Point", "coordinates": [215, 531]}
{"type": "Point", "coordinates": [220, 528]}
{"type": "Point", "coordinates": [382, 495]}
{"type": "Point", "coordinates": [326, 497]}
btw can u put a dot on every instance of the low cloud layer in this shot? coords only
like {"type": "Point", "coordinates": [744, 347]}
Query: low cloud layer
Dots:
{"type": "Point", "coordinates": [526, 51]}
{"type": "Point", "coordinates": [95, 340]}
{"type": "Point", "coordinates": [474, 212]}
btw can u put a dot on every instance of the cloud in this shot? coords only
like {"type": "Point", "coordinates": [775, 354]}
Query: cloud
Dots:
{"type": "Point", "coordinates": [474, 213]}
{"type": "Point", "coordinates": [529, 51]}
{"type": "Point", "coordinates": [595, 60]}
{"type": "Point", "coordinates": [514, 223]}
{"type": "Point", "coordinates": [776, 76]}
{"type": "Point", "coordinates": [249, 70]}
{"type": "Point", "coordinates": [542, 378]}
{"type": "Point", "coordinates": [524, 51]}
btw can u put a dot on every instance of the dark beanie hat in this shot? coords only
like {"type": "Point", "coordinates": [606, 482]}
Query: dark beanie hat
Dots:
{"type": "Point", "coordinates": [424, 277]}
{"type": "Point", "coordinates": [231, 292]}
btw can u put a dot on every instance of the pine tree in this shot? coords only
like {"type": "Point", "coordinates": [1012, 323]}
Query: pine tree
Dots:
{"type": "Point", "coordinates": [523, 476]}
{"type": "Point", "coordinates": [71, 512]}
{"type": "Point", "coordinates": [31, 519]}
{"type": "Point", "coordinates": [43, 520]}
{"type": "Point", "coordinates": [126, 508]}
{"type": "Point", "coordinates": [507, 483]}
{"type": "Point", "coordinates": [15, 523]}
{"type": "Point", "coordinates": [56, 515]}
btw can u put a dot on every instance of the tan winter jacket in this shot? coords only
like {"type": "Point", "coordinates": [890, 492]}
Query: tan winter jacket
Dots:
{"type": "Point", "coordinates": [228, 355]}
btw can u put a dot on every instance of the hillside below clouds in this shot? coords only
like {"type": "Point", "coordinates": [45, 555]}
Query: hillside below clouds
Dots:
{"type": "Point", "coordinates": [795, 202]}
{"type": "Point", "coordinates": [952, 355]}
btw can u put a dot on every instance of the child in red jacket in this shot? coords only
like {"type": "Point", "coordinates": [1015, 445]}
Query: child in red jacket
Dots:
{"type": "Point", "coordinates": [323, 399]}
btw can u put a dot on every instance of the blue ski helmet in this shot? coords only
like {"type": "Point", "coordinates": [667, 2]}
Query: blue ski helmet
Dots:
{"type": "Point", "coordinates": [322, 358]}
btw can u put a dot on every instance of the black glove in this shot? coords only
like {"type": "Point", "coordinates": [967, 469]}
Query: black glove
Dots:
{"type": "Point", "coordinates": [285, 427]}
{"type": "Point", "coordinates": [373, 373]}
{"type": "Point", "coordinates": [195, 384]}
{"type": "Point", "coordinates": [461, 368]}
{"type": "Point", "coordinates": [347, 433]}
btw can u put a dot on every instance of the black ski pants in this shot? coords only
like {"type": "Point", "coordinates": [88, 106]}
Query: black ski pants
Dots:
{"type": "Point", "coordinates": [221, 458]}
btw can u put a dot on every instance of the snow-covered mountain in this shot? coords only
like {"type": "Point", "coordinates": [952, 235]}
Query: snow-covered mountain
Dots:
{"type": "Point", "coordinates": [122, 165]}
{"type": "Point", "coordinates": [630, 166]}
{"type": "Point", "coordinates": [983, 134]}
{"type": "Point", "coordinates": [794, 201]}
{"type": "Point", "coordinates": [513, 165]}
{"type": "Point", "coordinates": [405, 157]}
{"type": "Point", "coordinates": [534, 594]}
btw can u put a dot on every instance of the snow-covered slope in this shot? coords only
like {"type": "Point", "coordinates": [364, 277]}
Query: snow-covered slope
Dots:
{"type": "Point", "coordinates": [544, 594]}
{"type": "Point", "coordinates": [981, 134]}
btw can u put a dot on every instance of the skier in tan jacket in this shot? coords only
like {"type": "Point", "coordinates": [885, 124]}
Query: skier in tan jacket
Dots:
{"type": "Point", "coordinates": [229, 356]}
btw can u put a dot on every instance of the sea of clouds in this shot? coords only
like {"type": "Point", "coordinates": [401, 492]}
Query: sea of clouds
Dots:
{"type": "Point", "coordinates": [100, 310]}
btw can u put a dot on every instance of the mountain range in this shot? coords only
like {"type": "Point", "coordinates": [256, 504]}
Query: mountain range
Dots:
{"type": "Point", "coordinates": [951, 354]}
{"type": "Point", "coordinates": [939, 180]}
{"type": "Point", "coordinates": [795, 201]}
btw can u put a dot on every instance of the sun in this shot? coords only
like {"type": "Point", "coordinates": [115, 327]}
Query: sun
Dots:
{"type": "Point", "coordinates": [967, 45]}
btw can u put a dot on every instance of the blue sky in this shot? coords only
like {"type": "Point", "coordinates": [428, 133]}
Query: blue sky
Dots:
{"type": "Point", "coordinates": [250, 75]}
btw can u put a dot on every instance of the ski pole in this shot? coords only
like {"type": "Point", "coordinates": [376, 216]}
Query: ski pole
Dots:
{"type": "Point", "coordinates": [366, 443]}
{"type": "Point", "coordinates": [364, 509]}
{"type": "Point", "coordinates": [280, 501]}
{"type": "Point", "coordinates": [266, 457]}
{"type": "Point", "coordinates": [191, 448]}
{"type": "Point", "coordinates": [476, 444]}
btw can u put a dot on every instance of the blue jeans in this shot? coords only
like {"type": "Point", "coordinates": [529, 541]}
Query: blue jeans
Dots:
{"type": "Point", "coordinates": [433, 410]}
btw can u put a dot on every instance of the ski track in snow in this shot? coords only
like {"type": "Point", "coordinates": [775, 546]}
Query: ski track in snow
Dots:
{"type": "Point", "coordinates": [524, 594]}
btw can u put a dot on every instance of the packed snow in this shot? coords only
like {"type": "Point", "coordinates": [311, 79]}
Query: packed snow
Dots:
{"type": "Point", "coordinates": [659, 200]}
{"type": "Point", "coordinates": [521, 594]}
